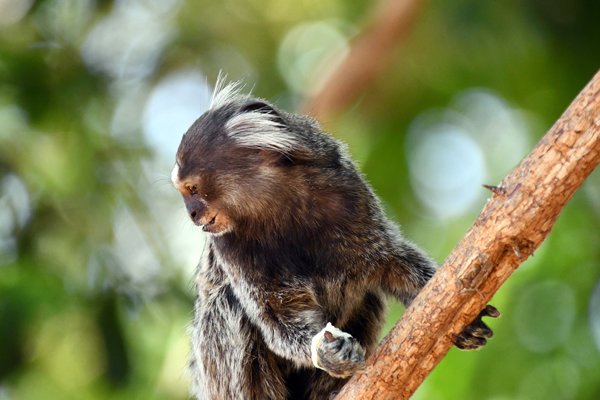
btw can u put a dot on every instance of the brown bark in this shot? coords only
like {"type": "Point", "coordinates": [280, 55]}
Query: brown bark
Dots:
{"type": "Point", "coordinates": [368, 54]}
{"type": "Point", "coordinates": [513, 223]}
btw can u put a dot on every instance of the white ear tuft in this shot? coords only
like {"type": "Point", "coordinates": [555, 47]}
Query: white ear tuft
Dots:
{"type": "Point", "coordinates": [260, 131]}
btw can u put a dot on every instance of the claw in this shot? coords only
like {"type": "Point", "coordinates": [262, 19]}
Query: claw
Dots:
{"type": "Point", "coordinates": [465, 342]}
{"type": "Point", "coordinates": [475, 334]}
{"type": "Point", "coordinates": [490, 311]}
{"type": "Point", "coordinates": [479, 329]}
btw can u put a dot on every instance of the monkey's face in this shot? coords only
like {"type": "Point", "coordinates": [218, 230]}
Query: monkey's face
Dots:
{"type": "Point", "coordinates": [231, 167]}
{"type": "Point", "coordinates": [214, 177]}
{"type": "Point", "coordinates": [200, 200]}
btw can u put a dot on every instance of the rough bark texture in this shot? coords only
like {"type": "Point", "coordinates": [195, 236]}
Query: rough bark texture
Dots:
{"type": "Point", "coordinates": [514, 222]}
{"type": "Point", "coordinates": [368, 55]}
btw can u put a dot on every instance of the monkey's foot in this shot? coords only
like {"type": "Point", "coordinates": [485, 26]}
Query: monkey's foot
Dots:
{"type": "Point", "coordinates": [337, 352]}
{"type": "Point", "coordinates": [476, 334]}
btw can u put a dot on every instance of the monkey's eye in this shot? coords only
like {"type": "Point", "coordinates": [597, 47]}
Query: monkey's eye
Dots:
{"type": "Point", "coordinates": [193, 189]}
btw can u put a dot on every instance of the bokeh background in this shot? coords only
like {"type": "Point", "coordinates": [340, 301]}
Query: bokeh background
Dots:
{"type": "Point", "coordinates": [97, 254]}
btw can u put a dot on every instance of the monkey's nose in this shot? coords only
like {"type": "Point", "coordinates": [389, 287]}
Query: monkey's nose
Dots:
{"type": "Point", "coordinates": [196, 210]}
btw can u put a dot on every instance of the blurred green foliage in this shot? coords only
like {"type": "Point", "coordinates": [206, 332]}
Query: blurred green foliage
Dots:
{"type": "Point", "coordinates": [95, 288]}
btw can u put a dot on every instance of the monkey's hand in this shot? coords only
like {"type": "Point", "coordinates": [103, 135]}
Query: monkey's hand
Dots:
{"type": "Point", "coordinates": [476, 334]}
{"type": "Point", "coordinates": [337, 352]}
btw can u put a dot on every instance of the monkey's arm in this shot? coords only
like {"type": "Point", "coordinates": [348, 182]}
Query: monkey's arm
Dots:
{"type": "Point", "coordinates": [408, 272]}
{"type": "Point", "coordinates": [407, 275]}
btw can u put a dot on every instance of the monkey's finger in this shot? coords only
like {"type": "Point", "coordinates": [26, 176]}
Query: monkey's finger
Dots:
{"type": "Point", "coordinates": [478, 328]}
{"type": "Point", "coordinates": [328, 336]}
{"type": "Point", "coordinates": [465, 341]}
{"type": "Point", "coordinates": [489, 311]}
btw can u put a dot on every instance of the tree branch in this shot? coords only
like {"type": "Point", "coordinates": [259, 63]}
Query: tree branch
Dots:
{"type": "Point", "coordinates": [514, 222]}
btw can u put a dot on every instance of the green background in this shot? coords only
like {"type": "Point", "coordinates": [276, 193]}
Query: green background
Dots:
{"type": "Point", "coordinates": [97, 255]}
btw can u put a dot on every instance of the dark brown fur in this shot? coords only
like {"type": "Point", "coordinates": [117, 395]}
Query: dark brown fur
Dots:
{"type": "Point", "coordinates": [297, 240]}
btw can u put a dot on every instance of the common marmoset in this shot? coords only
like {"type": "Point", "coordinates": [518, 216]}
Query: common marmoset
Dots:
{"type": "Point", "coordinates": [299, 256]}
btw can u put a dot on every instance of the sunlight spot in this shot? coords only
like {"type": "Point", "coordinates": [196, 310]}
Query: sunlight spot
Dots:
{"type": "Point", "coordinates": [173, 105]}
{"type": "Point", "coordinates": [12, 11]}
{"type": "Point", "coordinates": [308, 53]}
{"type": "Point", "coordinates": [545, 315]}
{"type": "Point", "coordinates": [556, 379]}
{"type": "Point", "coordinates": [64, 21]}
{"type": "Point", "coordinates": [451, 152]}
{"type": "Point", "coordinates": [127, 43]}
{"type": "Point", "coordinates": [137, 258]}
{"type": "Point", "coordinates": [446, 168]}
{"type": "Point", "coordinates": [501, 131]}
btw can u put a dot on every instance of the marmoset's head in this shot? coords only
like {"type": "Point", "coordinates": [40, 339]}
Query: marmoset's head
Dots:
{"type": "Point", "coordinates": [244, 163]}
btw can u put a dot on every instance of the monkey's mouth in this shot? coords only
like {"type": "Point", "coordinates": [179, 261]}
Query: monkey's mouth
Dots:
{"type": "Point", "coordinates": [209, 226]}
{"type": "Point", "coordinates": [218, 224]}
